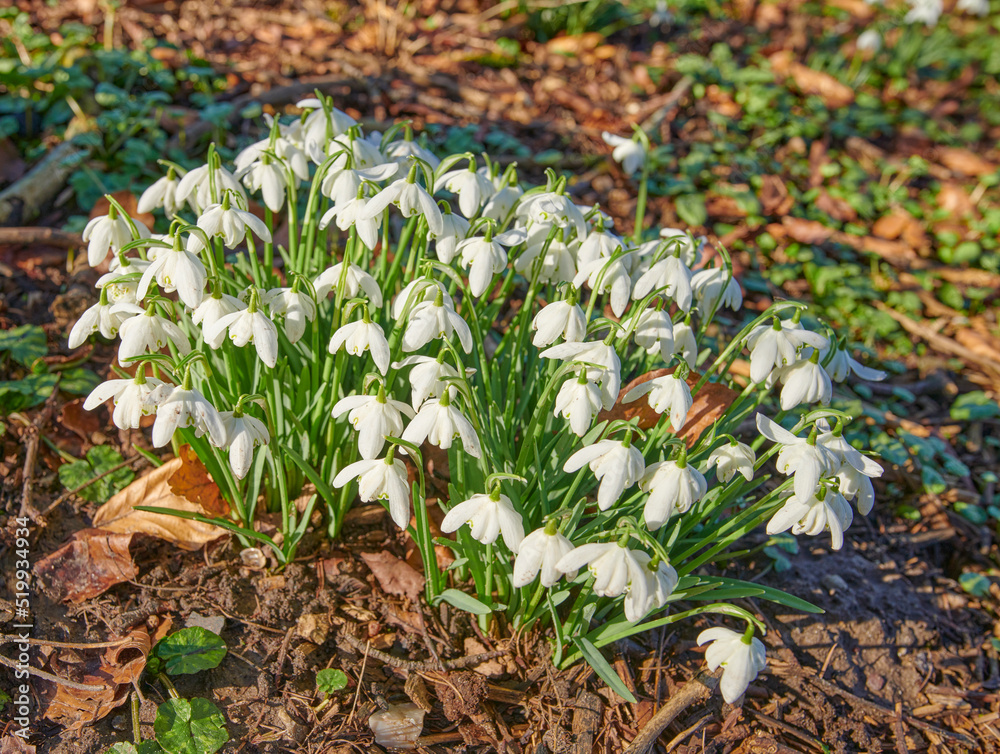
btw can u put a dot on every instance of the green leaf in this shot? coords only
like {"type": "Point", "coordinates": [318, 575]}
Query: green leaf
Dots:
{"type": "Point", "coordinates": [78, 381]}
{"type": "Point", "coordinates": [190, 650]}
{"type": "Point", "coordinates": [121, 748]}
{"type": "Point", "coordinates": [330, 680]}
{"type": "Point", "coordinates": [607, 674]}
{"type": "Point", "coordinates": [973, 406]}
{"type": "Point", "coordinates": [691, 209]}
{"type": "Point", "coordinates": [975, 584]}
{"type": "Point", "coordinates": [99, 460]}
{"type": "Point", "coordinates": [972, 513]}
{"type": "Point", "coordinates": [17, 395]}
{"type": "Point", "coordinates": [190, 727]}
{"type": "Point", "coordinates": [463, 601]}
{"type": "Point", "coordinates": [25, 344]}
{"type": "Point", "coordinates": [767, 592]}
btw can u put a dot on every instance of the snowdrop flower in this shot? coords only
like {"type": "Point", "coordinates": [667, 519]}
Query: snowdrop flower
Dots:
{"type": "Point", "coordinates": [685, 344]}
{"type": "Point", "coordinates": [439, 422]}
{"type": "Point", "coordinates": [975, 7]}
{"type": "Point", "coordinates": [163, 193]}
{"type": "Point", "coordinates": [435, 319]}
{"type": "Point", "coordinates": [617, 464]}
{"type": "Point", "coordinates": [670, 274]}
{"type": "Point", "coordinates": [196, 187]}
{"type": "Point", "coordinates": [214, 308]}
{"type": "Point", "coordinates": [664, 580]}
{"type": "Point", "coordinates": [857, 486]}
{"type": "Point", "coordinates": [681, 242]}
{"type": "Point", "coordinates": [488, 516]}
{"type": "Point", "coordinates": [454, 229]}
{"type": "Point", "coordinates": [673, 487]}
{"type": "Point", "coordinates": [870, 40]}
{"type": "Point", "coordinates": [176, 269]}
{"type": "Point", "coordinates": [268, 177]}
{"type": "Point", "coordinates": [375, 417]}
{"type": "Point", "coordinates": [343, 184]}
{"type": "Point", "coordinates": [579, 401]}
{"type": "Point", "coordinates": [243, 434]}
{"type": "Point", "coordinates": [741, 658]}
{"type": "Point", "coordinates": [101, 317]}
{"type": "Point", "coordinates": [654, 332]}
{"type": "Point", "coordinates": [926, 12]}
{"type": "Point", "coordinates": [485, 257]}
{"type": "Point", "coordinates": [411, 198]}
{"type": "Point", "coordinates": [604, 275]}
{"type": "Point", "coordinates": [286, 148]}
{"type": "Point", "coordinates": [560, 319]}
{"type": "Point", "coordinates": [847, 455]}
{"type": "Point", "coordinates": [117, 281]}
{"type": "Point", "coordinates": [558, 264]}
{"type": "Point", "coordinates": [429, 377]}
{"type": "Point", "coordinates": [666, 393]}
{"type": "Point", "coordinates": [401, 151]}
{"type": "Point", "coordinates": [356, 282]}
{"type": "Point", "coordinates": [380, 479]}
{"type": "Point", "coordinates": [716, 287]}
{"type": "Point", "coordinates": [472, 187]}
{"type": "Point", "coordinates": [813, 514]}
{"type": "Point", "coordinates": [231, 223]}
{"type": "Point", "coordinates": [129, 396]}
{"type": "Point", "coordinates": [802, 457]}
{"type": "Point", "coordinates": [629, 153]}
{"type": "Point", "coordinates": [548, 207]}
{"type": "Point", "coordinates": [417, 291]}
{"type": "Point", "coordinates": [502, 203]}
{"type": "Point", "coordinates": [360, 336]}
{"type": "Point", "coordinates": [615, 569]}
{"type": "Point", "coordinates": [296, 306]}
{"type": "Point", "coordinates": [245, 326]}
{"type": "Point", "coordinates": [601, 360]}
{"type": "Point", "coordinates": [805, 382]}
{"type": "Point", "coordinates": [599, 244]}
{"type": "Point", "coordinates": [108, 233]}
{"type": "Point", "coordinates": [842, 364]}
{"type": "Point", "coordinates": [182, 406]}
{"type": "Point", "coordinates": [540, 551]}
{"type": "Point", "coordinates": [733, 458]}
{"type": "Point", "coordinates": [320, 125]}
{"type": "Point", "coordinates": [146, 332]}
{"type": "Point", "coordinates": [777, 344]}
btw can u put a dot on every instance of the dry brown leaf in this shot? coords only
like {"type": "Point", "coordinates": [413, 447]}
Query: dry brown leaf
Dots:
{"type": "Point", "coordinates": [193, 482]}
{"type": "Point", "coordinates": [89, 565]}
{"type": "Point", "coordinates": [954, 199]}
{"type": "Point", "coordinates": [833, 93]}
{"type": "Point", "coordinates": [153, 489]}
{"type": "Point", "coordinates": [113, 671]}
{"type": "Point", "coordinates": [983, 344]}
{"type": "Point", "coordinates": [891, 226]}
{"type": "Point", "coordinates": [965, 161]}
{"type": "Point", "coordinates": [836, 208]}
{"type": "Point", "coordinates": [806, 231]}
{"type": "Point", "coordinates": [774, 196]}
{"type": "Point", "coordinates": [129, 203]}
{"type": "Point", "coordinates": [395, 576]}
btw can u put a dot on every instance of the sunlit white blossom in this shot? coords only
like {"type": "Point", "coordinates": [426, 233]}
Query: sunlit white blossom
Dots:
{"type": "Point", "coordinates": [740, 658]}
{"type": "Point", "coordinates": [617, 465]}
{"type": "Point", "coordinates": [488, 516]}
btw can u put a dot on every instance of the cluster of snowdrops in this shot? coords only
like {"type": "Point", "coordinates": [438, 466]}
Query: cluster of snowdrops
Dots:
{"type": "Point", "coordinates": [382, 302]}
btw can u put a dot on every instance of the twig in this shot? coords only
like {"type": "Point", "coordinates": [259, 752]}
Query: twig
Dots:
{"type": "Point", "coordinates": [694, 691]}
{"type": "Point", "coordinates": [30, 235]}
{"type": "Point", "coordinates": [34, 431]}
{"type": "Point", "coordinates": [679, 738]}
{"type": "Point", "coordinates": [76, 490]}
{"type": "Point", "coordinates": [282, 654]}
{"type": "Point", "coordinates": [49, 677]}
{"type": "Point", "coordinates": [23, 200]}
{"type": "Point", "coordinates": [8, 638]}
{"type": "Point", "coordinates": [416, 665]}
{"type": "Point", "coordinates": [676, 95]}
{"type": "Point", "coordinates": [789, 729]}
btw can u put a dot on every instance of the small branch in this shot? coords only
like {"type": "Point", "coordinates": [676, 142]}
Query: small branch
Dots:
{"type": "Point", "coordinates": [32, 235]}
{"type": "Point", "coordinates": [23, 201]}
{"type": "Point", "coordinates": [416, 665]}
{"type": "Point", "coordinates": [698, 689]}
{"type": "Point", "coordinates": [10, 638]}
{"type": "Point", "coordinates": [31, 452]}
{"type": "Point", "coordinates": [49, 677]}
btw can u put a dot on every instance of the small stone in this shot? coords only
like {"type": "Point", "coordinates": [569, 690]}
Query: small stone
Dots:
{"type": "Point", "coordinates": [314, 626]}
{"type": "Point", "coordinates": [399, 726]}
{"type": "Point", "coordinates": [213, 623]}
{"type": "Point", "coordinates": [253, 557]}
{"type": "Point", "coordinates": [834, 583]}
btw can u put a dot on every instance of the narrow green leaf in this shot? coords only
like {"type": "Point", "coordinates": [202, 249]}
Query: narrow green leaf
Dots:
{"type": "Point", "coordinates": [464, 601]}
{"type": "Point", "coordinates": [607, 674]}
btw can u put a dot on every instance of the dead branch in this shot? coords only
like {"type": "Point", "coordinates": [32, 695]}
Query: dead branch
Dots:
{"type": "Point", "coordinates": [33, 235]}
{"type": "Point", "coordinates": [25, 199]}
{"type": "Point", "coordinates": [698, 689]}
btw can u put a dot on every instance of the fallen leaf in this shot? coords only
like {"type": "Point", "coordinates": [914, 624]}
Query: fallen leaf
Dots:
{"type": "Point", "coordinates": [979, 343]}
{"type": "Point", "coordinates": [806, 231]}
{"type": "Point", "coordinates": [111, 672]}
{"type": "Point", "coordinates": [129, 203]}
{"type": "Point", "coordinates": [90, 564]}
{"type": "Point", "coordinates": [193, 482]}
{"type": "Point", "coordinates": [891, 226]}
{"type": "Point", "coordinates": [395, 576]}
{"type": "Point", "coordinates": [811, 82]}
{"type": "Point", "coordinates": [965, 161]}
{"type": "Point", "coordinates": [76, 420]}
{"type": "Point", "coordinates": [774, 196]}
{"type": "Point", "coordinates": [836, 208]}
{"type": "Point", "coordinates": [954, 199]}
{"type": "Point", "coordinates": [153, 489]}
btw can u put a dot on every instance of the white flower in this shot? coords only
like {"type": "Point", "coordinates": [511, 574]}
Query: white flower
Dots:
{"type": "Point", "coordinates": [630, 153]}
{"type": "Point", "coordinates": [196, 187]}
{"type": "Point", "coordinates": [248, 325]}
{"type": "Point", "coordinates": [163, 193]}
{"type": "Point", "coordinates": [664, 580]}
{"type": "Point", "coordinates": [356, 281]}
{"type": "Point", "coordinates": [351, 213]}
{"type": "Point", "coordinates": [857, 486]}
{"type": "Point", "coordinates": [615, 569]}
{"type": "Point", "coordinates": [617, 465]}
{"type": "Point", "coordinates": [654, 332]}
{"type": "Point", "coordinates": [805, 382]}
{"type": "Point", "coordinates": [485, 257]}
{"type": "Point", "coordinates": [673, 487]}
{"type": "Point", "coordinates": [473, 188]}
{"type": "Point", "coordinates": [671, 275]}
{"type": "Point", "coordinates": [487, 517]}
{"type": "Point", "coordinates": [429, 377]}
{"type": "Point", "coordinates": [777, 344]}
{"type": "Point", "coordinates": [130, 398]}
{"type": "Point", "coordinates": [108, 233]}
{"type": "Point", "coordinates": [176, 268]}
{"type": "Point", "coordinates": [439, 422]}
{"type": "Point", "coordinates": [579, 401]}
{"type": "Point", "coordinates": [412, 199]}
{"type": "Point", "coordinates": [363, 335]}
{"type": "Point", "coordinates": [598, 244]}
{"type": "Point", "coordinates": [975, 7]}
{"type": "Point", "coordinates": [715, 287]}
{"type": "Point", "coordinates": [871, 41]}
{"type": "Point", "coordinates": [375, 417]}
{"type": "Point", "coordinates": [842, 364]}
{"type": "Point", "coordinates": [807, 461]}
{"type": "Point", "coordinates": [559, 263]}
{"type": "Point", "coordinates": [401, 151]}
{"type": "Point", "coordinates": [343, 184]}
{"type": "Point", "coordinates": [417, 291]}
{"type": "Point", "coordinates": [813, 514]}
{"type": "Point", "coordinates": [180, 407]}
{"type": "Point", "coordinates": [503, 201]}
{"type": "Point", "coordinates": [147, 332]}
{"type": "Point", "coordinates": [435, 319]}
{"type": "Point", "coordinates": [601, 360]}
{"type": "Point", "coordinates": [214, 307]}
{"type": "Point", "coordinates": [560, 319]}
{"type": "Point", "coordinates": [685, 344]}
{"type": "Point", "coordinates": [845, 453]}
{"type": "Point", "coordinates": [267, 177]}
{"type": "Point", "coordinates": [681, 242]}
{"type": "Point", "coordinates": [666, 393]}
{"type": "Point", "coordinates": [604, 275]}
{"type": "Point", "coordinates": [741, 660]}
{"type": "Point", "coordinates": [731, 458]}
{"type": "Point", "coordinates": [381, 479]}
{"type": "Point", "coordinates": [924, 11]}
{"type": "Point", "coordinates": [243, 434]}
{"type": "Point", "coordinates": [318, 124]}
{"type": "Point", "coordinates": [296, 306]}
{"type": "Point", "coordinates": [101, 317]}
{"type": "Point", "coordinates": [116, 281]}
{"type": "Point", "coordinates": [540, 551]}
{"type": "Point", "coordinates": [549, 208]}
{"type": "Point", "coordinates": [229, 222]}
{"type": "Point", "coordinates": [454, 229]}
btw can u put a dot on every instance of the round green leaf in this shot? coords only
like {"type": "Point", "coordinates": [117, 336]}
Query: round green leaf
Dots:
{"type": "Point", "coordinates": [331, 680]}
{"type": "Point", "coordinates": [190, 650]}
{"type": "Point", "coordinates": [190, 727]}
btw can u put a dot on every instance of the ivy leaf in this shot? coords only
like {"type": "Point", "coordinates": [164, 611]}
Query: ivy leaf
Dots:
{"type": "Point", "coordinates": [190, 727]}
{"type": "Point", "coordinates": [25, 344]}
{"type": "Point", "coordinates": [16, 395]}
{"type": "Point", "coordinates": [190, 650]}
{"type": "Point", "coordinates": [691, 209]}
{"type": "Point", "coordinates": [78, 381]}
{"type": "Point", "coordinates": [98, 461]}
{"type": "Point", "coordinates": [330, 680]}
{"type": "Point", "coordinates": [975, 584]}
{"type": "Point", "coordinates": [973, 406]}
